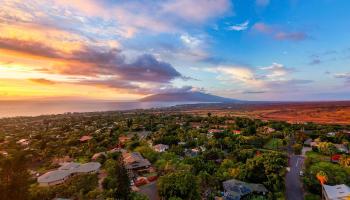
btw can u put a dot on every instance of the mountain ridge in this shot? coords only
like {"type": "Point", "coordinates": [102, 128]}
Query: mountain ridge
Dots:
{"type": "Point", "coordinates": [186, 97]}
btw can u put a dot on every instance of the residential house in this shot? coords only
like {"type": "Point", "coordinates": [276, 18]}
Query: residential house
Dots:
{"type": "Point", "coordinates": [335, 158]}
{"type": "Point", "coordinates": [195, 125]}
{"type": "Point", "coordinates": [66, 171]}
{"type": "Point", "coordinates": [314, 144]}
{"type": "Point", "coordinates": [331, 134]}
{"type": "Point", "coordinates": [308, 142]}
{"type": "Point", "coordinates": [97, 155]}
{"type": "Point", "coordinates": [160, 147]}
{"type": "Point", "coordinates": [230, 122]}
{"type": "Point", "coordinates": [236, 132]}
{"type": "Point", "coordinates": [191, 152]}
{"type": "Point", "coordinates": [135, 161]}
{"type": "Point", "coordinates": [123, 139]}
{"type": "Point", "coordinates": [212, 131]}
{"type": "Point", "coordinates": [235, 189]}
{"type": "Point", "coordinates": [336, 192]}
{"type": "Point", "coordinates": [342, 148]}
{"type": "Point", "coordinates": [266, 130]}
{"type": "Point", "coordinates": [85, 138]}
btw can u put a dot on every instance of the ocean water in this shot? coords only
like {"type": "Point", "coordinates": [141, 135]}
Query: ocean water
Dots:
{"type": "Point", "coordinates": [35, 108]}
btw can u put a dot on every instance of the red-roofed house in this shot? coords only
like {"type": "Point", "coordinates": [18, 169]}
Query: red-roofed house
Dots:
{"type": "Point", "coordinates": [85, 138]}
{"type": "Point", "coordinates": [123, 139]}
{"type": "Point", "coordinates": [236, 132]}
{"type": "Point", "coordinates": [335, 158]}
{"type": "Point", "coordinates": [215, 131]}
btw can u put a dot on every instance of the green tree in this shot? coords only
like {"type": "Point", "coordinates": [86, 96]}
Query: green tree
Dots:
{"type": "Point", "coordinates": [335, 174]}
{"type": "Point", "coordinates": [209, 114]}
{"type": "Point", "coordinates": [326, 148]}
{"type": "Point", "coordinates": [117, 180]}
{"type": "Point", "coordinates": [297, 148]}
{"type": "Point", "coordinates": [14, 177]}
{"type": "Point", "coordinates": [182, 185]}
{"type": "Point", "coordinates": [268, 168]}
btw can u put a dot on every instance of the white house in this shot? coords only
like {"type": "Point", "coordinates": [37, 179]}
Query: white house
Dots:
{"type": "Point", "coordinates": [160, 147]}
{"type": "Point", "coordinates": [336, 192]}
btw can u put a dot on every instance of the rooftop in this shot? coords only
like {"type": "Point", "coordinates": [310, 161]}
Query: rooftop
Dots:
{"type": "Point", "coordinates": [235, 189]}
{"type": "Point", "coordinates": [135, 160]}
{"type": "Point", "coordinates": [53, 176]}
{"type": "Point", "coordinates": [85, 138]}
{"type": "Point", "coordinates": [67, 169]}
{"type": "Point", "coordinates": [337, 191]}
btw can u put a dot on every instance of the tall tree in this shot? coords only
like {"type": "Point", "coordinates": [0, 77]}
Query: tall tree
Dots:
{"type": "Point", "coordinates": [14, 177]}
{"type": "Point", "coordinates": [117, 180]}
{"type": "Point", "coordinates": [183, 185]}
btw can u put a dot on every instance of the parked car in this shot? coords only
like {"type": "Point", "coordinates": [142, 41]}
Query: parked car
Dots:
{"type": "Point", "coordinates": [301, 173]}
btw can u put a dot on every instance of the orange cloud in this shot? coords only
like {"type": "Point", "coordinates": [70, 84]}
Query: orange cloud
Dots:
{"type": "Point", "coordinates": [42, 81]}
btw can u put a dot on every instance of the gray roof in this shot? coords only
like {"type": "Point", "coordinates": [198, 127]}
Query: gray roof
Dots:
{"type": "Point", "coordinates": [337, 191]}
{"type": "Point", "coordinates": [53, 176]}
{"type": "Point", "coordinates": [69, 166]}
{"type": "Point", "coordinates": [135, 160]}
{"type": "Point", "coordinates": [235, 189]}
{"type": "Point", "coordinates": [88, 167]}
{"type": "Point", "coordinates": [308, 141]}
{"type": "Point", "coordinates": [67, 169]}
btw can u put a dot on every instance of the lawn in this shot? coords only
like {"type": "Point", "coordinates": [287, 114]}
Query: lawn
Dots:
{"type": "Point", "coordinates": [316, 157]}
{"type": "Point", "coordinates": [274, 143]}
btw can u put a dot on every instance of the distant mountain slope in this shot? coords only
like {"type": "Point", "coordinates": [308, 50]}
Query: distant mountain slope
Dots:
{"type": "Point", "coordinates": [187, 97]}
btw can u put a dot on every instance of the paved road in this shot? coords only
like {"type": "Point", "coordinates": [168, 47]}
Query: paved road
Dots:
{"type": "Point", "coordinates": [294, 189]}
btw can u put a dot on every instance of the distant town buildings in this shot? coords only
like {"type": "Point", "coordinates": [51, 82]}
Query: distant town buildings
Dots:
{"type": "Point", "coordinates": [66, 171]}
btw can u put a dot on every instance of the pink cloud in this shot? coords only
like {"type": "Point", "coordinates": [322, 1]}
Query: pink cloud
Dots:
{"type": "Point", "coordinates": [162, 16]}
{"type": "Point", "coordinates": [296, 36]}
{"type": "Point", "coordinates": [278, 34]}
{"type": "Point", "coordinates": [197, 10]}
{"type": "Point", "coordinates": [261, 27]}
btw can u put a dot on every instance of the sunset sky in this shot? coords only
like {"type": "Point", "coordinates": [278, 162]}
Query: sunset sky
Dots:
{"type": "Point", "coordinates": [124, 50]}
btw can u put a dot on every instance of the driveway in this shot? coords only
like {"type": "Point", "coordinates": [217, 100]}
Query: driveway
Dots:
{"type": "Point", "coordinates": [294, 189]}
{"type": "Point", "coordinates": [150, 190]}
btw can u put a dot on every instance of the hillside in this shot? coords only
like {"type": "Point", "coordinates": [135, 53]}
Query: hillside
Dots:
{"type": "Point", "coordinates": [186, 97]}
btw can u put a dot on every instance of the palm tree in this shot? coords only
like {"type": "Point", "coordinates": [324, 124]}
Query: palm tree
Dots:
{"type": "Point", "coordinates": [322, 177]}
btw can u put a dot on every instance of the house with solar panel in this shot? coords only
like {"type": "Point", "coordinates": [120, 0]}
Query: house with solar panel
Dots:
{"type": "Point", "coordinates": [235, 189]}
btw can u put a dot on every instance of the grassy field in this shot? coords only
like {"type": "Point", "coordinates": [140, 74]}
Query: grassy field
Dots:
{"type": "Point", "coordinates": [274, 143]}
